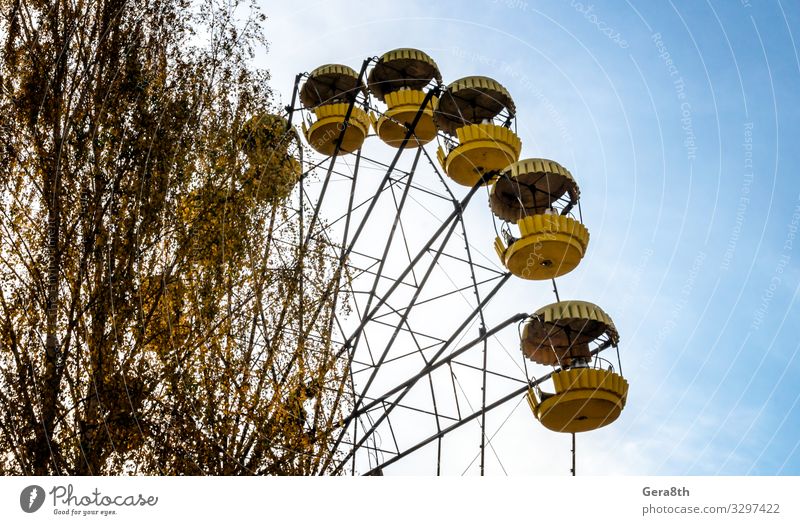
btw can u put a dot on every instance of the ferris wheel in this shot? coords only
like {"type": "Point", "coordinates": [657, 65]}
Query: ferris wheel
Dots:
{"type": "Point", "coordinates": [398, 164]}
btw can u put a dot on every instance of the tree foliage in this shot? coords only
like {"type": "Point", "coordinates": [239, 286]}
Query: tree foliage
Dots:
{"type": "Point", "coordinates": [158, 312]}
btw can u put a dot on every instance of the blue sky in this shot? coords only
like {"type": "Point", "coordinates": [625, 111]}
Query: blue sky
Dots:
{"type": "Point", "coordinates": [680, 122]}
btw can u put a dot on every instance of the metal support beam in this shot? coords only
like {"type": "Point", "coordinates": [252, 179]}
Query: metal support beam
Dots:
{"type": "Point", "coordinates": [572, 470]}
{"type": "Point", "coordinates": [388, 246]}
{"type": "Point", "coordinates": [409, 133]}
{"type": "Point", "coordinates": [474, 415]}
{"type": "Point", "coordinates": [406, 386]}
{"type": "Point", "coordinates": [352, 99]}
{"type": "Point", "coordinates": [461, 423]}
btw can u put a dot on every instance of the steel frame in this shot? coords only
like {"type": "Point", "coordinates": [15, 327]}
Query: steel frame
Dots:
{"type": "Point", "coordinates": [362, 435]}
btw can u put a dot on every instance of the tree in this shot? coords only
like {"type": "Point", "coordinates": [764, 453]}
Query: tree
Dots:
{"type": "Point", "coordinates": [159, 313]}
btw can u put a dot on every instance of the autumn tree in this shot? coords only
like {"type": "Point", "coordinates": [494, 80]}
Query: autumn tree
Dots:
{"type": "Point", "coordinates": [159, 312]}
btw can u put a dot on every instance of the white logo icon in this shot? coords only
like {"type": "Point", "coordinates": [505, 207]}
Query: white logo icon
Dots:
{"type": "Point", "coordinates": [31, 498]}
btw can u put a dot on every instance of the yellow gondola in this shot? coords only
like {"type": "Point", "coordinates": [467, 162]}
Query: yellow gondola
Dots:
{"type": "Point", "coordinates": [327, 92]}
{"type": "Point", "coordinates": [560, 333]}
{"type": "Point", "coordinates": [551, 243]}
{"type": "Point", "coordinates": [398, 79]}
{"type": "Point", "coordinates": [467, 110]}
{"type": "Point", "coordinates": [585, 398]}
